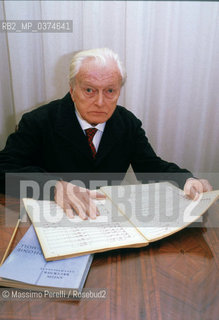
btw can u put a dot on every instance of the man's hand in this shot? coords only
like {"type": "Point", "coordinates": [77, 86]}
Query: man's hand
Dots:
{"type": "Point", "coordinates": [76, 199]}
{"type": "Point", "coordinates": [193, 187]}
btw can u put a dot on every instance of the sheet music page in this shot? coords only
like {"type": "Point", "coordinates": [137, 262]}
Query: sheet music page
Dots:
{"type": "Point", "coordinates": [62, 236]}
{"type": "Point", "coordinates": [159, 209]}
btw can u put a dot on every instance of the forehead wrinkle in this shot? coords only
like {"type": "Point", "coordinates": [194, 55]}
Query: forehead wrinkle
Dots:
{"type": "Point", "coordinates": [91, 71]}
{"type": "Point", "coordinates": [91, 76]}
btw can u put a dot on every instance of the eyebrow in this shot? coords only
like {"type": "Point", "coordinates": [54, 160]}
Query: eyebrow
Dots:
{"type": "Point", "coordinates": [92, 85]}
{"type": "Point", "coordinates": [87, 84]}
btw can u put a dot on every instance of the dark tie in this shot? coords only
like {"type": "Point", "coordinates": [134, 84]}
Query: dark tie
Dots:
{"type": "Point", "coordinates": [90, 134]}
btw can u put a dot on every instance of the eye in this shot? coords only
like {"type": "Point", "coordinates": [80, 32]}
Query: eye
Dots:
{"type": "Point", "coordinates": [110, 93]}
{"type": "Point", "coordinates": [89, 90]}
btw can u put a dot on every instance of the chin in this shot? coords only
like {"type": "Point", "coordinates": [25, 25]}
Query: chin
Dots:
{"type": "Point", "coordinates": [96, 120]}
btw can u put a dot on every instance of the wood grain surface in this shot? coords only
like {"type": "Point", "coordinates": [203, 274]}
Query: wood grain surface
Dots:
{"type": "Point", "coordinates": [176, 278]}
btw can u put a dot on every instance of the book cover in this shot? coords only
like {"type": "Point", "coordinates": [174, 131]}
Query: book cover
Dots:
{"type": "Point", "coordinates": [27, 268]}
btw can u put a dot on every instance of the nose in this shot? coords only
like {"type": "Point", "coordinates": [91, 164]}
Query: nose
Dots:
{"type": "Point", "coordinates": [99, 100]}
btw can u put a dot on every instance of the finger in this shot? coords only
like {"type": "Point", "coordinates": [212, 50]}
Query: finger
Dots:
{"type": "Point", "coordinates": [194, 193]}
{"type": "Point", "coordinates": [193, 183]}
{"type": "Point", "coordinates": [67, 197]}
{"type": "Point", "coordinates": [193, 188]}
{"type": "Point", "coordinates": [66, 207]}
{"type": "Point", "coordinates": [81, 214]}
{"type": "Point", "coordinates": [187, 188]}
{"type": "Point", "coordinates": [79, 207]}
{"type": "Point", "coordinates": [91, 208]}
{"type": "Point", "coordinates": [81, 197]}
{"type": "Point", "coordinates": [201, 185]}
{"type": "Point", "coordinates": [206, 185]}
{"type": "Point", "coordinates": [68, 210]}
{"type": "Point", "coordinates": [96, 195]}
{"type": "Point", "coordinates": [85, 195]}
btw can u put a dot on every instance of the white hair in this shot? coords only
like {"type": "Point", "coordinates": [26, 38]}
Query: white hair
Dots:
{"type": "Point", "coordinates": [101, 55]}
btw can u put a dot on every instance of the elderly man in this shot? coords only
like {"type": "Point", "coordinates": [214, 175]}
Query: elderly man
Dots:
{"type": "Point", "coordinates": [87, 132]}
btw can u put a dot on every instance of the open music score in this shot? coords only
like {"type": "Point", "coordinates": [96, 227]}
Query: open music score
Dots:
{"type": "Point", "coordinates": [131, 216]}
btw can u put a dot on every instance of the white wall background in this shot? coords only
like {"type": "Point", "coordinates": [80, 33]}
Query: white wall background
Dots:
{"type": "Point", "coordinates": [171, 52]}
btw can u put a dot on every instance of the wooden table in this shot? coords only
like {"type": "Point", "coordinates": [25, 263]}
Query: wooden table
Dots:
{"type": "Point", "coordinates": [176, 278]}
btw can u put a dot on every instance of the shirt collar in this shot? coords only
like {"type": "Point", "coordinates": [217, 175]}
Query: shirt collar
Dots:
{"type": "Point", "coordinates": [85, 125]}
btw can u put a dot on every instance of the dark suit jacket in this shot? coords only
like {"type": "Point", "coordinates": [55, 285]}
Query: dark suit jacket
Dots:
{"type": "Point", "coordinates": [50, 139]}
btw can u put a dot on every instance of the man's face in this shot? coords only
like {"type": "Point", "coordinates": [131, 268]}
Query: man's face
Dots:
{"type": "Point", "coordinates": [96, 91]}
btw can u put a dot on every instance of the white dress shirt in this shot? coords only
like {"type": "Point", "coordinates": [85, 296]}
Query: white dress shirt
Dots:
{"type": "Point", "coordinates": [85, 125]}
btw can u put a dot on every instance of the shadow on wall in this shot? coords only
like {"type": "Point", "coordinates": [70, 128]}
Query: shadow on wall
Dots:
{"type": "Point", "coordinates": [7, 129]}
{"type": "Point", "coordinates": [58, 80]}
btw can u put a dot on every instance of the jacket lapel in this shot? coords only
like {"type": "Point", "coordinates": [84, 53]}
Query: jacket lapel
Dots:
{"type": "Point", "coordinates": [70, 129]}
{"type": "Point", "coordinates": [112, 135]}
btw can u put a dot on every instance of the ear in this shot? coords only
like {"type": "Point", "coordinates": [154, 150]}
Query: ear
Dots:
{"type": "Point", "coordinates": [71, 93]}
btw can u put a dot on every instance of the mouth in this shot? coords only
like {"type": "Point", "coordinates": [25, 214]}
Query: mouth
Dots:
{"type": "Point", "coordinates": [97, 113]}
